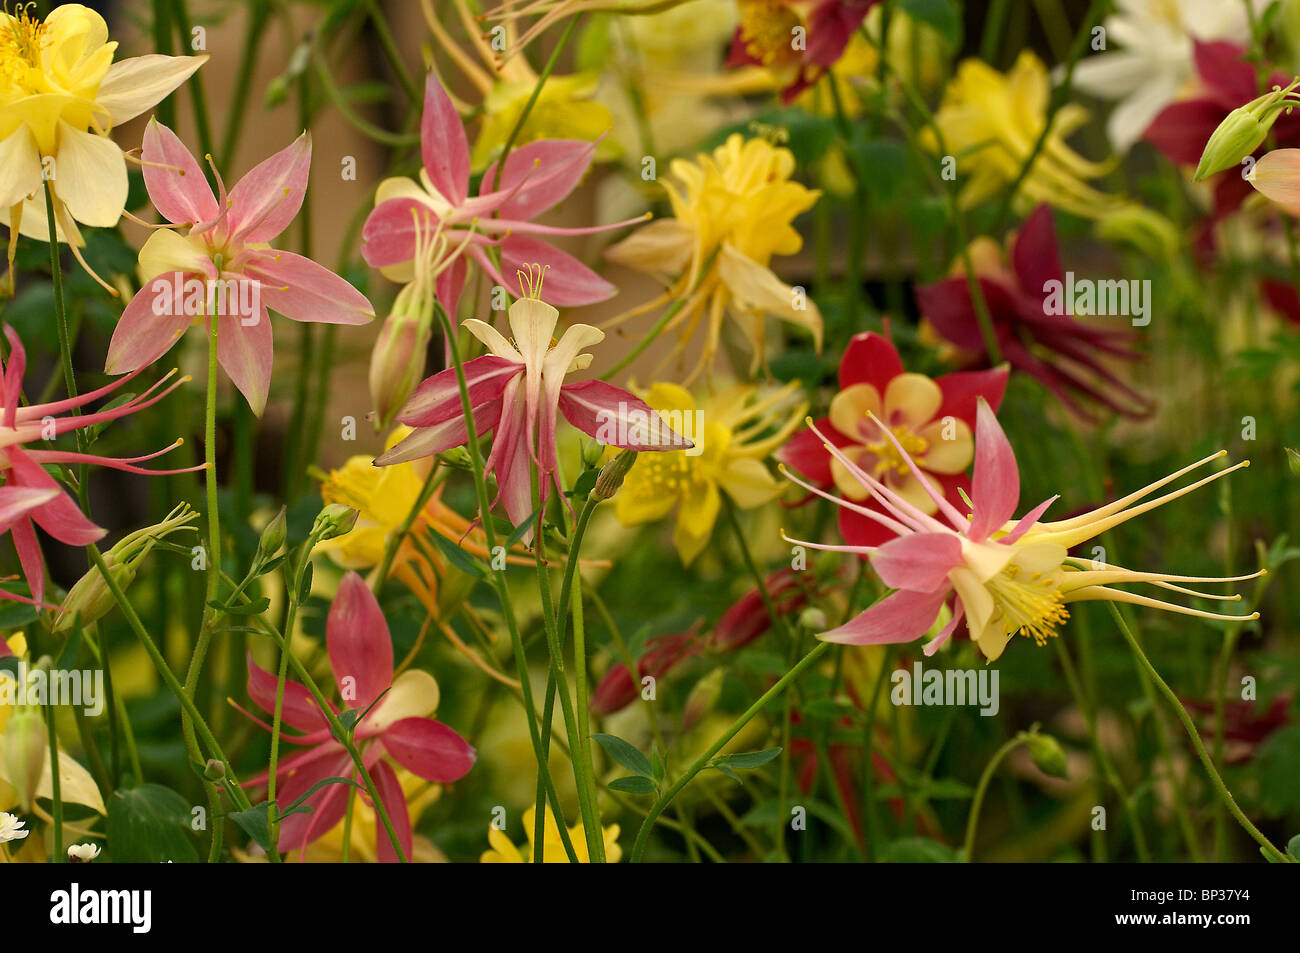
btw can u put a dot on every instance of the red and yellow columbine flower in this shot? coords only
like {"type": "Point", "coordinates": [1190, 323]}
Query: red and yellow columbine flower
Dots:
{"type": "Point", "coordinates": [735, 431]}
{"type": "Point", "coordinates": [933, 419]}
{"type": "Point", "coordinates": [58, 80]}
{"type": "Point", "coordinates": [732, 212]}
{"type": "Point", "coordinates": [1006, 576]}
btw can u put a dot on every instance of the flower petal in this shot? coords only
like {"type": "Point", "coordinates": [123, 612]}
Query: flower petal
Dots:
{"type": "Point", "coordinates": [869, 359]}
{"type": "Point", "coordinates": [141, 82]}
{"type": "Point", "coordinates": [996, 487]}
{"type": "Point", "coordinates": [298, 709]}
{"type": "Point", "coordinates": [430, 749]}
{"type": "Point", "coordinates": [437, 399]}
{"type": "Point", "coordinates": [443, 146]}
{"type": "Point", "coordinates": [569, 282]}
{"type": "Point", "coordinates": [91, 177]}
{"type": "Point", "coordinates": [919, 562]}
{"type": "Point", "coordinates": [266, 200]}
{"type": "Point", "coordinates": [302, 290]}
{"type": "Point", "coordinates": [618, 418]}
{"type": "Point", "coordinates": [173, 178]}
{"type": "Point", "coordinates": [141, 335]}
{"type": "Point", "coordinates": [550, 169]}
{"type": "Point", "coordinates": [394, 800]}
{"type": "Point", "coordinates": [360, 648]}
{"type": "Point", "coordinates": [246, 352]}
{"type": "Point", "coordinates": [899, 617]}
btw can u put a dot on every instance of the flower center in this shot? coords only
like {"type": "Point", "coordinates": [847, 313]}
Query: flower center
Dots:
{"type": "Point", "coordinates": [767, 27]}
{"type": "Point", "coordinates": [887, 456]}
{"type": "Point", "coordinates": [1028, 603]}
{"type": "Point", "coordinates": [662, 474]}
{"type": "Point", "coordinates": [20, 44]}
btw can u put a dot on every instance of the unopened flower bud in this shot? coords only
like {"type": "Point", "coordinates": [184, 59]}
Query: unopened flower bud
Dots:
{"type": "Point", "coordinates": [1047, 754]}
{"type": "Point", "coordinates": [813, 619]}
{"type": "Point", "coordinates": [82, 853]}
{"type": "Point", "coordinates": [702, 698]}
{"type": "Point", "coordinates": [457, 457]}
{"type": "Point", "coordinates": [90, 598]}
{"type": "Point", "coordinates": [593, 453]}
{"type": "Point", "coordinates": [214, 770]}
{"type": "Point", "coordinates": [1242, 131]}
{"type": "Point", "coordinates": [25, 747]}
{"type": "Point", "coordinates": [273, 536]}
{"type": "Point", "coordinates": [612, 475]}
{"type": "Point", "coordinates": [336, 519]}
{"type": "Point", "coordinates": [397, 361]}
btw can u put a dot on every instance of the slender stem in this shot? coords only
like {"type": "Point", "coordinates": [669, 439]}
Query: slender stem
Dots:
{"type": "Point", "coordinates": [972, 821]}
{"type": "Point", "coordinates": [702, 761]}
{"type": "Point", "coordinates": [56, 783]}
{"type": "Point", "coordinates": [1269, 851]}
{"type": "Point", "coordinates": [169, 678]}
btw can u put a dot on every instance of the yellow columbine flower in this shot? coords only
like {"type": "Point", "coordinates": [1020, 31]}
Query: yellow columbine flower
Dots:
{"type": "Point", "coordinates": [564, 109]}
{"type": "Point", "coordinates": [990, 123]}
{"type": "Point", "coordinates": [58, 80]}
{"type": "Point", "coordinates": [503, 851]}
{"type": "Point", "coordinates": [382, 497]}
{"type": "Point", "coordinates": [730, 447]}
{"type": "Point", "coordinates": [732, 212]}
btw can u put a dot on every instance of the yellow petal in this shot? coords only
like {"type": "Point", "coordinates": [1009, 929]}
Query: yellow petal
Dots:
{"type": "Point", "coordinates": [21, 162]}
{"type": "Point", "coordinates": [662, 247]}
{"type": "Point", "coordinates": [911, 399]}
{"type": "Point", "coordinates": [695, 521]}
{"type": "Point", "coordinates": [141, 82]}
{"type": "Point", "coordinates": [414, 695]}
{"type": "Point", "coordinates": [90, 177]}
{"type": "Point", "coordinates": [849, 409]}
{"type": "Point", "coordinates": [749, 483]}
{"type": "Point", "coordinates": [166, 251]}
{"type": "Point", "coordinates": [1277, 176]}
{"type": "Point", "coordinates": [947, 456]}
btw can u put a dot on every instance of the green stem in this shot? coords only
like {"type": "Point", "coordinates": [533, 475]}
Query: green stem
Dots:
{"type": "Point", "coordinates": [972, 821]}
{"type": "Point", "coordinates": [702, 761]}
{"type": "Point", "coordinates": [1266, 846]}
{"type": "Point", "coordinates": [56, 808]}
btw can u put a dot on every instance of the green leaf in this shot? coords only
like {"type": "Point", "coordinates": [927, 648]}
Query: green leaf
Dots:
{"type": "Point", "coordinates": [300, 807]}
{"type": "Point", "coordinates": [746, 761]}
{"type": "Point", "coordinates": [517, 533]}
{"type": "Point", "coordinates": [255, 824]}
{"type": "Point", "coordinates": [150, 824]}
{"type": "Point", "coordinates": [631, 785]}
{"type": "Point", "coordinates": [626, 755]}
{"type": "Point", "coordinates": [304, 591]}
{"type": "Point", "coordinates": [1293, 847]}
{"type": "Point", "coordinates": [458, 557]}
{"type": "Point", "coordinates": [71, 648]}
{"type": "Point", "coordinates": [272, 564]}
{"type": "Point", "coordinates": [256, 607]}
{"type": "Point", "coordinates": [583, 485]}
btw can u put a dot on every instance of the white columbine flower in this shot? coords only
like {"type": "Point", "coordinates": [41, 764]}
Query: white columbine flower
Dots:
{"type": "Point", "coordinates": [11, 828]}
{"type": "Point", "coordinates": [82, 853]}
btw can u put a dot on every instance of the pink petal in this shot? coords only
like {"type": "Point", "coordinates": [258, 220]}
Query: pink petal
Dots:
{"type": "Point", "coordinates": [141, 336]}
{"type": "Point", "coordinates": [550, 169]}
{"type": "Point", "coordinates": [246, 352]}
{"type": "Point", "coordinates": [919, 562]}
{"type": "Point", "coordinates": [1223, 67]}
{"type": "Point", "coordinates": [1026, 522]}
{"type": "Point", "coordinates": [613, 416]}
{"type": "Point", "coordinates": [360, 648]}
{"type": "Point", "coordinates": [448, 287]}
{"type": "Point", "coordinates": [996, 488]}
{"type": "Point", "coordinates": [510, 459]}
{"type": "Point", "coordinates": [388, 236]}
{"type": "Point", "coordinates": [429, 748]}
{"type": "Point", "coordinates": [443, 146]}
{"type": "Point", "coordinates": [266, 200]}
{"type": "Point", "coordinates": [900, 617]}
{"type": "Point", "coordinates": [298, 710]}
{"type": "Point", "coordinates": [328, 804]}
{"type": "Point", "coordinates": [17, 502]}
{"type": "Point", "coordinates": [302, 290]}
{"type": "Point", "coordinates": [946, 632]}
{"type": "Point", "coordinates": [869, 359]}
{"type": "Point", "coordinates": [394, 800]}
{"type": "Point", "coordinates": [568, 283]}
{"type": "Point", "coordinates": [437, 399]}
{"type": "Point", "coordinates": [11, 377]}
{"type": "Point", "coordinates": [1181, 130]}
{"type": "Point", "coordinates": [962, 390]}
{"type": "Point", "coordinates": [173, 178]}
{"type": "Point", "coordinates": [60, 516]}
{"type": "Point", "coordinates": [451, 433]}
{"type": "Point", "coordinates": [29, 557]}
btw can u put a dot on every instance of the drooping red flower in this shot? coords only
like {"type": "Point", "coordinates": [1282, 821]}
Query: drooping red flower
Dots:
{"type": "Point", "coordinates": [933, 419]}
{"type": "Point", "coordinates": [1063, 353]}
{"type": "Point", "coordinates": [396, 729]}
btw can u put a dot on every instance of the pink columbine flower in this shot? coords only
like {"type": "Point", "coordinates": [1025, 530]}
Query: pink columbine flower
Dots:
{"type": "Point", "coordinates": [223, 265]}
{"type": "Point", "coordinates": [518, 391]}
{"type": "Point", "coordinates": [399, 727]}
{"type": "Point", "coordinates": [1004, 576]}
{"type": "Point", "coordinates": [536, 177]}
{"type": "Point", "coordinates": [30, 497]}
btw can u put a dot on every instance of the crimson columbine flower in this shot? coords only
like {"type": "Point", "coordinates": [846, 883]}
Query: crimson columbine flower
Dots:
{"type": "Point", "coordinates": [224, 266]}
{"type": "Point", "coordinates": [933, 419]}
{"type": "Point", "coordinates": [1005, 576]}
{"type": "Point", "coordinates": [1062, 353]}
{"type": "Point", "coordinates": [397, 728]}
{"type": "Point", "coordinates": [662, 654]}
{"type": "Point", "coordinates": [438, 212]}
{"type": "Point", "coordinates": [30, 497]}
{"type": "Point", "coordinates": [518, 392]}
{"type": "Point", "coordinates": [797, 39]}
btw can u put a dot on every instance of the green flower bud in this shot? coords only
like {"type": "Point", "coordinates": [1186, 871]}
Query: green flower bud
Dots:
{"type": "Point", "coordinates": [397, 361]}
{"type": "Point", "coordinates": [1242, 131]}
{"type": "Point", "coordinates": [593, 453]}
{"type": "Point", "coordinates": [90, 596]}
{"type": "Point", "coordinates": [457, 457]}
{"type": "Point", "coordinates": [612, 475]}
{"type": "Point", "coordinates": [214, 770]}
{"type": "Point", "coordinates": [273, 536]}
{"type": "Point", "coordinates": [26, 745]}
{"type": "Point", "coordinates": [1047, 754]}
{"type": "Point", "coordinates": [334, 520]}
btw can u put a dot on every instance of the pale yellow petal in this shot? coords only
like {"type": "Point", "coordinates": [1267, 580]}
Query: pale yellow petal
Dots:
{"type": "Point", "coordinates": [141, 82]}
{"type": "Point", "coordinates": [90, 177]}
